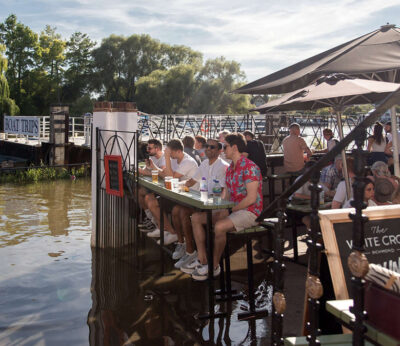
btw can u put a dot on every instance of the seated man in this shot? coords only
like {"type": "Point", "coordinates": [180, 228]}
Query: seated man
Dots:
{"type": "Point", "coordinates": [180, 165]}
{"type": "Point", "coordinates": [199, 146]}
{"type": "Point", "coordinates": [244, 188]}
{"type": "Point", "coordinates": [340, 197]}
{"type": "Point", "coordinates": [188, 148]}
{"type": "Point", "coordinates": [331, 176]}
{"type": "Point", "coordinates": [255, 152]}
{"type": "Point", "coordinates": [156, 156]}
{"type": "Point", "coordinates": [211, 168]}
{"type": "Point", "coordinates": [293, 150]}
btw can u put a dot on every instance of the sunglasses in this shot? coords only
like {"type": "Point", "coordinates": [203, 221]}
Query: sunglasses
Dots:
{"type": "Point", "coordinates": [226, 146]}
{"type": "Point", "coordinates": [210, 146]}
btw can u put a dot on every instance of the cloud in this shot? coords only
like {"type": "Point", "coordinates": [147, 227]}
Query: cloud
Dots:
{"type": "Point", "coordinates": [263, 36]}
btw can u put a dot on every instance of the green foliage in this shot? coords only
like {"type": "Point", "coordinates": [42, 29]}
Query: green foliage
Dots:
{"type": "Point", "coordinates": [161, 78]}
{"type": "Point", "coordinates": [33, 175]}
{"type": "Point", "coordinates": [79, 60]}
{"type": "Point", "coordinates": [7, 105]}
{"type": "Point", "coordinates": [22, 51]}
{"type": "Point", "coordinates": [216, 79]}
{"type": "Point", "coordinates": [82, 105]}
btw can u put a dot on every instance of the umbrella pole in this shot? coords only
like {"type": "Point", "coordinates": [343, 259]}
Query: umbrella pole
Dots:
{"type": "Point", "coordinates": [394, 135]}
{"type": "Point", "coordinates": [395, 142]}
{"type": "Point", "coordinates": [341, 136]}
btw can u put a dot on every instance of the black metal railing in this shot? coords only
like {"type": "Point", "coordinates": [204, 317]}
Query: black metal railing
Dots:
{"type": "Point", "coordinates": [116, 217]}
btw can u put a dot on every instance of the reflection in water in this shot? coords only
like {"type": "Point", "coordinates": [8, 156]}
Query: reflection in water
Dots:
{"type": "Point", "coordinates": [130, 308]}
{"type": "Point", "coordinates": [55, 290]}
{"type": "Point", "coordinates": [45, 273]}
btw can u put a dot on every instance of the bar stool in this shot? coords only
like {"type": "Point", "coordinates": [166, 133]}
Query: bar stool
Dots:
{"type": "Point", "coordinates": [226, 292]}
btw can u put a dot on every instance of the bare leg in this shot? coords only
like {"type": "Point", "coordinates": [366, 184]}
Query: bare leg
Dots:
{"type": "Point", "coordinates": [177, 222]}
{"type": "Point", "coordinates": [198, 221]}
{"type": "Point", "coordinates": [221, 228]}
{"type": "Point", "coordinates": [184, 216]}
{"type": "Point", "coordinates": [152, 204]}
{"type": "Point", "coordinates": [142, 195]}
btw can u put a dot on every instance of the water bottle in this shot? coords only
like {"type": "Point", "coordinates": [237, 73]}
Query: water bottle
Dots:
{"type": "Point", "coordinates": [217, 191]}
{"type": "Point", "coordinates": [321, 197]}
{"type": "Point", "coordinates": [203, 190]}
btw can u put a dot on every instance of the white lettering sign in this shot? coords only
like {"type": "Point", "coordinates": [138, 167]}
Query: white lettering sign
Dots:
{"type": "Point", "coordinates": [21, 125]}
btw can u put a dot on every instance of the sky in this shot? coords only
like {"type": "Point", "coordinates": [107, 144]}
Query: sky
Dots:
{"type": "Point", "coordinates": [263, 36]}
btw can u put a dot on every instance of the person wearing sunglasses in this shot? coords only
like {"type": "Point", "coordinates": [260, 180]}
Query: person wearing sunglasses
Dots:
{"type": "Point", "coordinates": [212, 168]}
{"type": "Point", "coordinates": [244, 188]}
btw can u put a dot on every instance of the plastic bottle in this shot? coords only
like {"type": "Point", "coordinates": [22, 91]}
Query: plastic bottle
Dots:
{"type": "Point", "coordinates": [217, 191]}
{"type": "Point", "coordinates": [203, 190]}
{"type": "Point", "coordinates": [322, 197]}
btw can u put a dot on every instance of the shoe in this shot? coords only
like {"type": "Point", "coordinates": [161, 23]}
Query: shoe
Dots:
{"type": "Point", "coordinates": [147, 226]}
{"type": "Point", "coordinates": [180, 251]}
{"type": "Point", "coordinates": [201, 272]}
{"type": "Point", "coordinates": [185, 259]}
{"type": "Point", "coordinates": [154, 234]}
{"type": "Point", "coordinates": [190, 266]}
{"type": "Point", "coordinates": [147, 223]}
{"type": "Point", "coordinates": [169, 238]}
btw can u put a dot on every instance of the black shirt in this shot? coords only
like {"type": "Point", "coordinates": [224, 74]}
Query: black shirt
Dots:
{"type": "Point", "coordinates": [257, 154]}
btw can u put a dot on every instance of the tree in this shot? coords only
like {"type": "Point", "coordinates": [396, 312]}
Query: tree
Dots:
{"type": "Point", "coordinates": [167, 91]}
{"type": "Point", "coordinates": [51, 60]}
{"type": "Point", "coordinates": [120, 62]}
{"type": "Point", "coordinates": [7, 105]}
{"type": "Point", "coordinates": [21, 50]}
{"type": "Point", "coordinates": [217, 78]}
{"type": "Point", "coordinates": [79, 61]}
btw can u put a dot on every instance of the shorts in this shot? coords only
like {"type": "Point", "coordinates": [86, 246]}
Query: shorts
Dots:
{"type": "Point", "coordinates": [243, 219]}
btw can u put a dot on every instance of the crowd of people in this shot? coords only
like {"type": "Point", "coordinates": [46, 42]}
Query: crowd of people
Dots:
{"type": "Point", "coordinates": [229, 161]}
{"type": "Point", "coordinates": [237, 162]}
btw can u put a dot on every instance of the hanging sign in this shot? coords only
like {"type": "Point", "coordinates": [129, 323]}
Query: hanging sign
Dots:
{"type": "Point", "coordinates": [22, 125]}
{"type": "Point", "coordinates": [113, 171]}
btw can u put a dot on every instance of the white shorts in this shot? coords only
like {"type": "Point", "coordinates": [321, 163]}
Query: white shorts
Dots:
{"type": "Point", "coordinates": [243, 219]}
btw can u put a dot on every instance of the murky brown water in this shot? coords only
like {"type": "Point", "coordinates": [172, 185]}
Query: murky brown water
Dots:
{"type": "Point", "coordinates": [56, 290]}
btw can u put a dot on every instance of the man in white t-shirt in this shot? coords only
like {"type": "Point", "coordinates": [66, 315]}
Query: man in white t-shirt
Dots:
{"type": "Point", "coordinates": [179, 165]}
{"type": "Point", "coordinates": [340, 198]}
{"type": "Point", "coordinates": [213, 168]}
{"type": "Point", "coordinates": [156, 157]}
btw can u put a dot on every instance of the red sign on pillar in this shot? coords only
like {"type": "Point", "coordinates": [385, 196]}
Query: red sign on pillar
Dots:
{"type": "Point", "coordinates": [113, 170]}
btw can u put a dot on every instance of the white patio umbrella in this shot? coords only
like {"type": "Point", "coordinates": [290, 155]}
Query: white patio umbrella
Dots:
{"type": "Point", "coordinates": [337, 91]}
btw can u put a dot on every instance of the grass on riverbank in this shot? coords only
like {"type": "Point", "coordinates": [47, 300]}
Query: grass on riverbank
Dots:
{"type": "Point", "coordinates": [33, 175]}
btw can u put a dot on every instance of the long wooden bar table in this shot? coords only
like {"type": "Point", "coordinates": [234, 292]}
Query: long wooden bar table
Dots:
{"type": "Point", "coordinates": [190, 199]}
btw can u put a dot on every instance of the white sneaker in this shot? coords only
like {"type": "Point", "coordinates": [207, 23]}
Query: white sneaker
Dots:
{"type": "Point", "coordinates": [185, 259]}
{"type": "Point", "coordinates": [190, 266]}
{"type": "Point", "coordinates": [169, 238]}
{"type": "Point", "coordinates": [201, 272]}
{"type": "Point", "coordinates": [180, 251]}
{"type": "Point", "coordinates": [154, 234]}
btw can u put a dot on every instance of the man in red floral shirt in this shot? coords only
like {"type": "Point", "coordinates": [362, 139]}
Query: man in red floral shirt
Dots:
{"type": "Point", "coordinates": [244, 187]}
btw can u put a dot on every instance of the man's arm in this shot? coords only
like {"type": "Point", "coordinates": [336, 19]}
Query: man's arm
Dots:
{"type": "Point", "coordinates": [388, 149]}
{"type": "Point", "coordinates": [167, 171]}
{"type": "Point", "coordinates": [251, 197]}
{"type": "Point", "coordinates": [190, 182]}
{"type": "Point", "coordinates": [336, 205]}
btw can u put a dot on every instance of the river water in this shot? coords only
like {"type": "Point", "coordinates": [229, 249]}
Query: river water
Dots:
{"type": "Point", "coordinates": [56, 290]}
{"type": "Point", "coordinates": [45, 253]}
